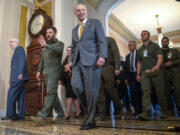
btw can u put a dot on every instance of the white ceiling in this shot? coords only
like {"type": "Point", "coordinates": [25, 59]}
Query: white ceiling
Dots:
{"type": "Point", "coordinates": [138, 15]}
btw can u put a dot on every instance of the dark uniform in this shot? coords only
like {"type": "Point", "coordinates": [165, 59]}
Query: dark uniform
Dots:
{"type": "Point", "coordinates": [147, 55]}
{"type": "Point", "coordinates": [65, 77]}
{"type": "Point", "coordinates": [107, 78]}
{"type": "Point", "coordinates": [172, 75]}
{"type": "Point", "coordinates": [121, 86]}
{"type": "Point", "coordinates": [50, 65]}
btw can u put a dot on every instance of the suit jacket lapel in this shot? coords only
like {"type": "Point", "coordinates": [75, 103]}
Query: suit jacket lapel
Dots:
{"type": "Point", "coordinates": [76, 32]}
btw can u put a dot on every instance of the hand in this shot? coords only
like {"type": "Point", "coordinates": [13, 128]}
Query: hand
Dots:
{"type": "Point", "coordinates": [126, 82]}
{"type": "Point", "coordinates": [38, 76]}
{"type": "Point", "coordinates": [117, 72]}
{"type": "Point", "coordinates": [100, 62]}
{"type": "Point", "coordinates": [118, 81]}
{"type": "Point", "coordinates": [60, 82]}
{"type": "Point", "coordinates": [155, 68]}
{"type": "Point", "coordinates": [168, 64]}
{"type": "Point", "coordinates": [41, 41]}
{"type": "Point", "coordinates": [20, 77]}
{"type": "Point", "coordinates": [138, 78]}
{"type": "Point", "coordinates": [67, 68]}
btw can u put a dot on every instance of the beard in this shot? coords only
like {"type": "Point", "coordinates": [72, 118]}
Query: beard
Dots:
{"type": "Point", "coordinates": [165, 46]}
{"type": "Point", "coordinates": [49, 38]}
{"type": "Point", "coordinates": [145, 39]}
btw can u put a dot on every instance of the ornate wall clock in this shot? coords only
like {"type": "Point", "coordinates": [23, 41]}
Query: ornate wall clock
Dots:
{"type": "Point", "coordinates": [39, 23]}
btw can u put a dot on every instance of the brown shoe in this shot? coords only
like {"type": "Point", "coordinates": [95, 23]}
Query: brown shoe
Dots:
{"type": "Point", "coordinates": [144, 117]}
{"type": "Point", "coordinates": [38, 119]}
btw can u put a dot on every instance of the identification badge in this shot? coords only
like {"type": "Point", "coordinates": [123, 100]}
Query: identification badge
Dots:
{"type": "Point", "coordinates": [145, 53]}
{"type": "Point", "coordinates": [121, 68]}
{"type": "Point", "coordinates": [169, 55]}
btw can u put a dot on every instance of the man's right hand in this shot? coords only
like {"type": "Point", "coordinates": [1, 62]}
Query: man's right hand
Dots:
{"type": "Point", "coordinates": [41, 41]}
{"type": "Point", "coordinates": [38, 76]}
{"type": "Point", "coordinates": [68, 67]}
{"type": "Point", "coordinates": [138, 78]}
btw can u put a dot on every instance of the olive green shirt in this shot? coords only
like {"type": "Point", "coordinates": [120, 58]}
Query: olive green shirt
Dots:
{"type": "Point", "coordinates": [52, 57]}
{"type": "Point", "coordinates": [147, 55]}
{"type": "Point", "coordinates": [172, 55]}
{"type": "Point", "coordinates": [113, 54]}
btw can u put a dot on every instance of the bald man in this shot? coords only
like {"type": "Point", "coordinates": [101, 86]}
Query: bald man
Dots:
{"type": "Point", "coordinates": [18, 77]}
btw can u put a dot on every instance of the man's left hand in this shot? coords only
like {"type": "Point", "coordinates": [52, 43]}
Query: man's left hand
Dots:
{"type": "Point", "coordinates": [100, 62]}
{"type": "Point", "coordinates": [20, 77]}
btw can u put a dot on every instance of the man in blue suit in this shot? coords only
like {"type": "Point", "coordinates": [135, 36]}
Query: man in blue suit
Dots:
{"type": "Point", "coordinates": [18, 77]}
{"type": "Point", "coordinates": [89, 51]}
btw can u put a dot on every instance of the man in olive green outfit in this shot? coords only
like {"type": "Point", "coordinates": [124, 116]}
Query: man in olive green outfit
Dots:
{"type": "Point", "coordinates": [50, 65]}
{"type": "Point", "coordinates": [171, 72]}
{"type": "Point", "coordinates": [110, 68]}
{"type": "Point", "coordinates": [150, 74]}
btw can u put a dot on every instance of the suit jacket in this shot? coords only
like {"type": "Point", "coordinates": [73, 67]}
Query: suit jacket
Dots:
{"type": "Point", "coordinates": [92, 44]}
{"type": "Point", "coordinates": [18, 65]}
{"type": "Point", "coordinates": [127, 65]}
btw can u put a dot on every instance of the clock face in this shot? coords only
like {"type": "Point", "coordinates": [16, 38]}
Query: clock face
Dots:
{"type": "Point", "coordinates": [37, 24]}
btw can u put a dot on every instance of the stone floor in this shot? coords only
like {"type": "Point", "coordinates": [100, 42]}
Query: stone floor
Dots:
{"type": "Point", "coordinates": [71, 127]}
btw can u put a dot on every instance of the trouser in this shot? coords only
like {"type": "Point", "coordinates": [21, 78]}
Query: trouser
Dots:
{"type": "Point", "coordinates": [136, 93]}
{"type": "Point", "coordinates": [157, 83]}
{"type": "Point", "coordinates": [16, 94]}
{"type": "Point", "coordinates": [108, 87]}
{"type": "Point", "coordinates": [86, 79]}
{"type": "Point", "coordinates": [172, 78]}
{"type": "Point", "coordinates": [51, 99]}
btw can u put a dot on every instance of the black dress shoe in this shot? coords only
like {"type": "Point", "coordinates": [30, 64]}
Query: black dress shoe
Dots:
{"type": "Point", "coordinates": [78, 116]}
{"type": "Point", "coordinates": [16, 118]}
{"type": "Point", "coordinates": [86, 126]}
{"type": "Point", "coordinates": [5, 118]}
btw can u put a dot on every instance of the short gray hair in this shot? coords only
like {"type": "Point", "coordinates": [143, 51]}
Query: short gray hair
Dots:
{"type": "Point", "coordinates": [14, 39]}
{"type": "Point", "coordinates": [80, 4]}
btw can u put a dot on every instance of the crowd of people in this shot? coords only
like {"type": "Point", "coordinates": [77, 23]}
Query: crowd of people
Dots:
{"type": "Point", "coordinates": [94, 75]}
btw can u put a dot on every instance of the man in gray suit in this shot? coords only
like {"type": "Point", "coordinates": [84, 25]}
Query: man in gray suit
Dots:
{"type": "Point", "coordinates": [89, 50]}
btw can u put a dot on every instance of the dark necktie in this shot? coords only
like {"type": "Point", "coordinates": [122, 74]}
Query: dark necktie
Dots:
{"type": "Point", "coordinates": [132, 62]}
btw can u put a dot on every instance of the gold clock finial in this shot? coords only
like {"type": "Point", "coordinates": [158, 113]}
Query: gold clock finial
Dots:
{"type": "Point", "coordinates": [37, 4]}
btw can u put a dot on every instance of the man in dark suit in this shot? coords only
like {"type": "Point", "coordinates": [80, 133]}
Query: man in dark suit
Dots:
{"type": "Point", "coordinates": [130, 79]}
{"type": "Point", "coordinates": [18, 77]}
{"type": "Point", "coordinates": [89, 50]}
